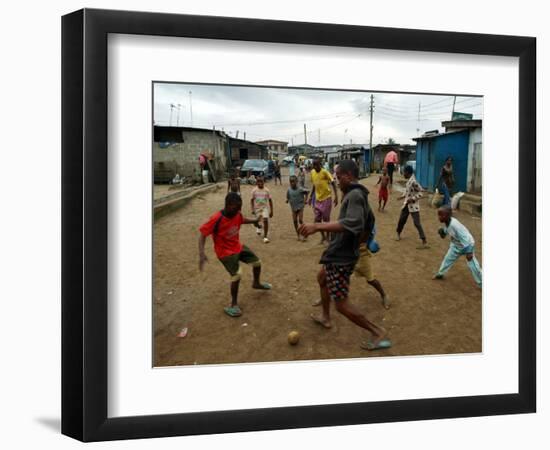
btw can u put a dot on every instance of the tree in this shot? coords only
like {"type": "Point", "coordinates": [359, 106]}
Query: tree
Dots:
{"type": "Point", "coordinates": [391, 141]}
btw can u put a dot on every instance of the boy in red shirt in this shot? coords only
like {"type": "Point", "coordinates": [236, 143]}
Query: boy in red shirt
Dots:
{"type": "Point", "coordinates": [224, 227]}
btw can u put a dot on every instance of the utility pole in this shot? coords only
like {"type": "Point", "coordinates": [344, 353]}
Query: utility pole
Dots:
{"type": "Point", "coordinates": [305, 134]}
{"type": "Point", "coordinates": [237, 136]}
{"type": "Point", "coordinates": [418, 123]}
{"type": "Point", "coordinates": [371, 153]}
{"type": "Point", "coordinates": [178, 116]}
{"type": "Point", "coordinates": [454, 101]}
{"type": "Point", "coordinates": [172, 106]}
{"type": "Point", "coordinates": [319, 137]}
{"type": "Point", "coordinates": [244, 137]}
{"type": "Point", "coordinates": [191, 106]}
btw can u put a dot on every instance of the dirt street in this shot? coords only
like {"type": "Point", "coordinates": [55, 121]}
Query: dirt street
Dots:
{"type": "Point", "coordinates": [426, 316]}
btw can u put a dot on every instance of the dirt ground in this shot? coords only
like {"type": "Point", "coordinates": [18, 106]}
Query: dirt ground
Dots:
{"type": "Point", "coordinates": [426, 316]}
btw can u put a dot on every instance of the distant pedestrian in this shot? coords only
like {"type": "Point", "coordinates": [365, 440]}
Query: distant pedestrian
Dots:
{"type": "Point", "coordinates": [302, 176]}
{"type": "Point", "coordinates": [234, 184]}
{"type": "Point", "coordinates": [297, 197]}
{"type": "Point", "coordinates": [224, 228]}
{"type": "Point", "coordinates": [262, 206]}
{"type": "Point", "coordinates": [291, 168]}
{"type": "Point", "coordinates": [446, 180]}
{"type": "Point", "coordinates": [277, 174]}
{"type": "Point", "coordinates": [462, 243]}
{"type": "Point", "coordinates": [411, 205]}
{"type": "Point", "coordinates": [390, 162]}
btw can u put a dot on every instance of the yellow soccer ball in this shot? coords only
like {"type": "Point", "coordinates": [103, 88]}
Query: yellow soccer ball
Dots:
{"type": "Point", "coordinates": [293, 337]}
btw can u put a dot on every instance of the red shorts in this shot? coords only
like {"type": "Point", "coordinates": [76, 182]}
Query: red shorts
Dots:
{"type": "Point", "coordinates": [383, 194]}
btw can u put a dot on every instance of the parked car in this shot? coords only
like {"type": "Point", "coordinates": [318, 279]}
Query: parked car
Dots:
{"type": "Point", "coordinates": [256, 167]}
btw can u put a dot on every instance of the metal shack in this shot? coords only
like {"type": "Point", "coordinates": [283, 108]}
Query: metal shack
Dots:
{"type": "Point", "coordinates": [462, 142]}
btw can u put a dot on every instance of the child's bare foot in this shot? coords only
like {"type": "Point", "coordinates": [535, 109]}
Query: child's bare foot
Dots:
{"type": "Point", "coordinates": [325, 323]}
{"type": "Point", "coordinates": [317, 302]}
{"type": "Point", "coordinates": [398, 237]}
{"type": "Point", "coordinates": [263, 286]}
{"type": "Point", "coordinates": [437, 276]}
{"type": "Point", "coordinates": [386, 302]}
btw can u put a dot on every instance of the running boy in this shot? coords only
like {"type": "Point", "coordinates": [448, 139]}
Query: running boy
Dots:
{"type": "Point", "coordinates": [322, 182]}
{"type": "Point", "coordinates": [224, 227]}
{"type": "Point", "coordinates": [262, 206]}
{"type": "Point", "coordinates": [462, 243]}
{"type": "Point", "coordinates": [411, 205]}
{"type": "Point", "coordinates": [383, 181]}
{"type": "Point", "coordinates": [297, 197]}
{"type": "Point", "coordinates": [234, 184]}
{"type": "Point", "coordinates": [355, 222]}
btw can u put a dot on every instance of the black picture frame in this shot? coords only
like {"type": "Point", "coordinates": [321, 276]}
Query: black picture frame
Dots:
{"type": "Point", "coordinates": [84, 224]}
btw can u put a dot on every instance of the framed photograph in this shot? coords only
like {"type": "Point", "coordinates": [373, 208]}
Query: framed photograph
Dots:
{"type": "Point", "coordinates": [273, 225]}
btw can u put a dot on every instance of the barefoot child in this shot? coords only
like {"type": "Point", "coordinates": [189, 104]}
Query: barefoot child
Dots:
{"type": "Point", "coordinates": [355, 222]}
{"type": "Point", "coordinates": [321, 192]}
{"type": "Point", "coordinates": [383, 181]}
{"type": "Point", "coordinates": [411, 205]}
{"type": "Point", "coordinates": [234, 184]}
{"type": "Point", "coordinates": [297, 197]}
{"type": "Point", "coordinates": [262, 206]}
{"type": "Point", "coordinates": [224, 228]}
{"type": "Point", "coordinates": [462, 243]}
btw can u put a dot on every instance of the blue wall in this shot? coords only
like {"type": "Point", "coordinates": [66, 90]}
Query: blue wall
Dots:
{"type": "Point", "coordinates": [432, 153]}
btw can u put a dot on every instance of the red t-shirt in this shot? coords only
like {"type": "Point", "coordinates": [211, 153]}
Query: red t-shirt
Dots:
{"type": "Point", "coordinates": [226, 239]}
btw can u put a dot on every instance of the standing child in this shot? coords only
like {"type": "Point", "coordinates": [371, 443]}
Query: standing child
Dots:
{"type": "Point", "coordinates": [234, 184]}
{"type": "Point", "coordinates": [411, 205]}
{"type": "Point", "coordinates": [383, 181]}
{"type": "Point", "coordinates": [297, 197]}
{"type": "Point", "coordinates": [277, 174]}
{"type": "Point", "coordinates": [462, 243]}
{"type": "Point", "coordinates": [224, 228]}
{"type": "Point", "coordinates": [262, 206]}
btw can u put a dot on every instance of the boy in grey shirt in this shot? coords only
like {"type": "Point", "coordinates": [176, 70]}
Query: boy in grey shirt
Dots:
{"type": "Point", "coordinates": [297, 197]}
{"type": "Point", "coordinates": [354, 225]}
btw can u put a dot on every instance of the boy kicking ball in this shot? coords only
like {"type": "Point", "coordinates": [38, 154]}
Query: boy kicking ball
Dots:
{"type": "Point", "coordinates": [224, 227]}
{"type": "Point", "coordinates": [462, 243]}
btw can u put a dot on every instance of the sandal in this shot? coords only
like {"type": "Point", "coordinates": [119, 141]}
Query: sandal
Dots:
{"type": "Point", "coordinates": [233, 311]}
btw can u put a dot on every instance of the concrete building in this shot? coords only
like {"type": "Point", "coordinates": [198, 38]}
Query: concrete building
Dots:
{"type": "Point", "coordinates": [462, 141]}
{"type": "Point", "coordinates": [277, 149]}
{"type": "Point", "coordinates": [241, 150]}
{"type": "Point", "coordinates": [303, 149]}
{"type": "Point", "coordinates": [177, 150]}
{"type": "Point", "coordinates": [331, 153]}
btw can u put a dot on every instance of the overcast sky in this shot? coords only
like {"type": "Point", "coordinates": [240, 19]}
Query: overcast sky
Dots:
{"type": "Point", "coordinates": [331, 117]}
